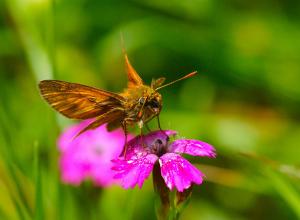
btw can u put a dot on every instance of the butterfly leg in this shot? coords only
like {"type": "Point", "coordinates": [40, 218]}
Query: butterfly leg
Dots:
{"type": "Point", "coordinates": [124, 151]}
{"type": "Point", "coordinates": [147, 127]}
{"type": "Point", "coordinates": [158, 122]}
{"type": "Point", "coordinates": [141, 124]}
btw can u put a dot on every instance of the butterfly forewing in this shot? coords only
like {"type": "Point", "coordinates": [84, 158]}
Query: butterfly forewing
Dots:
{"type": "Point", "coordinates": [133, 77]}
{"type": "Point", "coordinates": [78, 101]}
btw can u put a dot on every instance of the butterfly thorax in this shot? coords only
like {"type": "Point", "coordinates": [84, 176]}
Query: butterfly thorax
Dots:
{"type": "Point", "coordinates": [142, 103]}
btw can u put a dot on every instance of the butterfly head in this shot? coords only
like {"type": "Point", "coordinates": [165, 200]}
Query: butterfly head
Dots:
{"type": "Point", "coordinates": [152, 103]}
{"type": "Point", "coordinates": [155, 103]}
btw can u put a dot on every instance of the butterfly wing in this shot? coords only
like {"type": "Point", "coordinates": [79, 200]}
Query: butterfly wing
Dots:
{"type": "Point", "coordinates": [133, 77]}
{"type": "Point", "coordinates": [157, 82]}
{"type": "Point", "coordinates": [78, 101]}
{"type": "Point", "coordinates": [107, 117]}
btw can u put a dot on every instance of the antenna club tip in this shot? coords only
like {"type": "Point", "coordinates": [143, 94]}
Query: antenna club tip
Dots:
{"type": "Point", "coordinates": [193, 73]}
{"type": "Point", "coordinates": [190, 74]}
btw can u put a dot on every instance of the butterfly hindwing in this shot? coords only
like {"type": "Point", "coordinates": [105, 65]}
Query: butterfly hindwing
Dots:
{"type": "Point", "coordinates": [107, 117]}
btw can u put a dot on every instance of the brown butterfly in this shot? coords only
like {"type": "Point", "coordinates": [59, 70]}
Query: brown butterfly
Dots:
{"type": "Point", "coordinates": [138, 103]}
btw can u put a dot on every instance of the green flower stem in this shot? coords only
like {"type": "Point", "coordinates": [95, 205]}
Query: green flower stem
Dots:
{"type": "Point", "coordinates": [162, 204]}
{"type": "Point", "coordinates": [169, 204]}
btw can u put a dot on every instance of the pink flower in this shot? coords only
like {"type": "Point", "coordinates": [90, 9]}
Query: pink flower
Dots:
{"type": "Point", "coordinates": [89, 155]}
{"type": "Point", "coordinates": [144, 151]}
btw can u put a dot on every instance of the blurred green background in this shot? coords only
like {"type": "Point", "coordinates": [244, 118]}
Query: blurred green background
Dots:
{"type": "Point", "coordinates": [245, 101]}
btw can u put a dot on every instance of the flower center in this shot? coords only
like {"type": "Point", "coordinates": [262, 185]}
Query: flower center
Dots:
{"type": "Point", "coordinates": [158, 147]}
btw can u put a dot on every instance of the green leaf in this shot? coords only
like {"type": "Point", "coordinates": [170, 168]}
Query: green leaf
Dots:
{"type": "Point", "coordinates": [285, 190]}
{"type": "Point", "coordinates": [39, 210]}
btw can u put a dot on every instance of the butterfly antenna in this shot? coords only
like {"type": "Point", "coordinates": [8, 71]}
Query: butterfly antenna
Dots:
{"type": "Point", "coordinates": [177, 80]}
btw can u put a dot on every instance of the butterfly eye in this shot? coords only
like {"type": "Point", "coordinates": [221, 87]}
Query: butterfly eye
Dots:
{"type": "Point", "coordinates": [154, 103]}
{"type": "Point", "coordinates": [142, 100]}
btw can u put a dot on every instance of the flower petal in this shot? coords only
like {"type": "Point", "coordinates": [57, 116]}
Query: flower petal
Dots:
{"type": "Point", "coordinates": [89, 155]}
{"type": "Point", "coordinates": [193, 147]}
{"type": "Point", "coordinates": [134, 170]}
{"type": "Point", "coordinates": [67, 140]}
{"type": "Point", "coordinates": [178, 172]}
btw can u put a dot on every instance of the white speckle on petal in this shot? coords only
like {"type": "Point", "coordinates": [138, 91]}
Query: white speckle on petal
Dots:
{"type": "Point", "coordinates": [160, 162]}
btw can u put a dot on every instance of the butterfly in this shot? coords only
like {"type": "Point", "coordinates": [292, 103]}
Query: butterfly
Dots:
{"type": "Point", "coordinates": [137, 104]}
